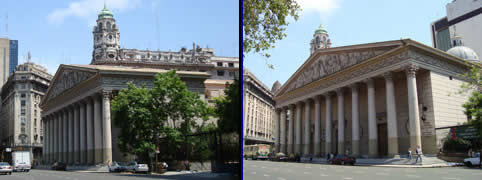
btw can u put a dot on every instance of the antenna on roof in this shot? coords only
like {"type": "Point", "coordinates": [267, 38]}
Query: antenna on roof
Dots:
{"type": "Point", "coordinates": [29, 57]}
{"type": "Point", "coordinates": [6, 25]}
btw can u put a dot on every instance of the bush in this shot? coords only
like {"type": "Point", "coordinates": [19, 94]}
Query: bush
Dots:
{"type": "Point", "coordinates": [455, 145]}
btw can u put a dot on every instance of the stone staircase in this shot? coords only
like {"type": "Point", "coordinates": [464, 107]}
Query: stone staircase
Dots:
{"type": "Point", "coordinates": [403, 160]}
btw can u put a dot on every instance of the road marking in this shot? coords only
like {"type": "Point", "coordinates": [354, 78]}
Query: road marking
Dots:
{"type": "Point", "coordinates": [450, 178]}
{"type": "Point", "coordinates": [322, 168]}
{"type": "Point", "coordinates": [381, 174]}
{"type": "Point", "coordinates": [361, 172]}
{"type": "Point", "coordinates": [253, 173]}
{"type": "Point", "coordinates": [348, 178]}
{"type": "Point", "coordinates": [323, 175]}
{"type": "Point", "coordinates": [281, 178]}
{"type": "Point", "coordinates": [413, 176]}
{"type": "Point", "coordinates": [306, 173]}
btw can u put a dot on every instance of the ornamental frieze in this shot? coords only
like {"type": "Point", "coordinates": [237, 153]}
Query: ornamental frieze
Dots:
{"type": "Point", "coordinates": [329, 64]}
{"type": "Point", "coordinates": [68, 79]}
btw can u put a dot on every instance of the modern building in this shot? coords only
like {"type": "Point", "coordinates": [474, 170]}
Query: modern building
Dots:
{"type": "Point", "coordinates": [371, 100]}
{"type": "Point", "coordinates": [259, 110]}
{"type": "Point", "coordinates": [13, 56]}
{"type": "Point", "coordinates": [76, 108]}
{"type": "Point", "coordinates": [464, 19]}
{"type": "Point", "coordinates": [4, 60]}
{"type": "Point", "coordinates": [21, 126]}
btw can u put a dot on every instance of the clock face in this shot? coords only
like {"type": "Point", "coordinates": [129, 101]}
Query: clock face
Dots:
{"type": "Point", "coordinates": [110, 37]}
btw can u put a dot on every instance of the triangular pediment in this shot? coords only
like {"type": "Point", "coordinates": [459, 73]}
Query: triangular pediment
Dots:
{"type": "Point", "coordinates": [66, 78]}
{"type": "Point", "coordinates": [329, 61]}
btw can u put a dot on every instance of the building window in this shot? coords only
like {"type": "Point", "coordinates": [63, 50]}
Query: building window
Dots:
{"type": "Point", "coordinates": [220, 73]}
{"type": "Point", "coordinates": [23, 111]}
{"type": "Point", "coordinates": [231, 74]}
{"type": "Point", "coordinates": [220, 64]}
{"type": "Point", "coordinates": [22, 86]}
{"type": "Point", "coordinates": [22, 95]}
{"type": "Point", "coordinates": [231, 64]}
{"type": "Point", "coordinates": [22, 103]}
{"type": "Point", "coordinates": [22, 120]}
{"type": "Point", "coordinates": [24, 77]}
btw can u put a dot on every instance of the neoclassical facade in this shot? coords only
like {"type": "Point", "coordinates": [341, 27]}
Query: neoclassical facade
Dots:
{"type": "Point", "coordinates": [76, 108]}
{"type": "Point", "coordinates": [370, 100]}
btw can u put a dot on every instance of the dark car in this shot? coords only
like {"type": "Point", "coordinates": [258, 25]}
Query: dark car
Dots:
{"type": "Point", "coordinates": [342, 160]}
{"type": "Point", "coordinates": [59, 166]}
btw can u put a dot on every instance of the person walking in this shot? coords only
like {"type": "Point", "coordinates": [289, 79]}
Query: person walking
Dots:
{"type": "Point", "coordinates": [419, 154]}
{"type": "Point", "coordinates": [409, 154]}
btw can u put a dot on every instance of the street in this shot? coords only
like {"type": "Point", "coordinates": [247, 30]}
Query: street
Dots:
{"type": "Point", "coordinates": [36, 174]}
{"type": "Point", "coordinates": [261, 170]}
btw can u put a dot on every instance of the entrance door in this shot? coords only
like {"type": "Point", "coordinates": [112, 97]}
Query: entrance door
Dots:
{"type": "Point", "coordinates": [382, 140]}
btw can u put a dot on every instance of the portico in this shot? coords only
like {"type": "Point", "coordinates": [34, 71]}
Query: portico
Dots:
{"type": "Point", "coordinates": [365, 100]}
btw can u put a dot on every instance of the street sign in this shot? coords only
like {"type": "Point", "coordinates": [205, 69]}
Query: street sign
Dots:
{"type": "Point", "coordinates": [8, 150]}
{"type": "Point", "coordinates": [464, 132]}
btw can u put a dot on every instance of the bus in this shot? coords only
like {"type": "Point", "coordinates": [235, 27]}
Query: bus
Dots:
{"type": "Point", "coordinates": [257, 151]}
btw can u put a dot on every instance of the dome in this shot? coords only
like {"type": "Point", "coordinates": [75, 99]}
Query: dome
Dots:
{"type": "Point", "coordinates": [320, 30]}
{"type": "Point", "coordinates": [464, 53]}
{"type": "Point", "coordinates": [105, 12]}
{"type": "Point", "coordinates": [275, 87]}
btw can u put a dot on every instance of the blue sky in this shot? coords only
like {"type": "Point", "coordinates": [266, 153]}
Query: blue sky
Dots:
{"type": "Point", "coordinates": [60, 31]}
{"type": "Point", "coordinates": [348, 22]}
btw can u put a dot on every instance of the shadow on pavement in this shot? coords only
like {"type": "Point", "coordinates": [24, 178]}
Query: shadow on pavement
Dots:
{"type": "Point", "coordinates": [201, 175]}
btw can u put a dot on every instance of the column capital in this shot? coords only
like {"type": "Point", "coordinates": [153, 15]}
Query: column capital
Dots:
{"type": "Point", "coordinates": [411, 70]}
{"type": "Point", "coordinates": [106, 94]}
{"type": "Point", "coordinates": [327, 94]}
{"type": "Point", "coordinates": [388, 75]}
{"type": "Point", "coordinates": [339, 91]}
{"type": "Point", "coordinates": [308, 100]}
{"type": "Point", "coordinates": [354, 86]}
{"type": "Point", "coordinates": [369, 81]}
{"type": "Point", "coordinates": [316, 98]}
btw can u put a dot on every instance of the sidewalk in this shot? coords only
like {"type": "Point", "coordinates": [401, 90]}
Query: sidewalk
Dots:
{"type": "Point", "coordinates": [427, 162]}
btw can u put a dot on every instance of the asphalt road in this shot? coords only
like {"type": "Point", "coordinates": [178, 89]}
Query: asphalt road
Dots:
{"type": "Point", "coordinates": [36, 174]}
{"type": "Point", "coordinates": [264, 170]}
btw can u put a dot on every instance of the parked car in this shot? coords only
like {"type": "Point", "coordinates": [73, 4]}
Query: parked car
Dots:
{"type": "Point", "coordinates": [280, 157]}
{"type": "Point", "coordinates": [59, 166]}
{"type": "Point", "coordinates": [472, 161]}
{"type": "Point", "coordinates": [342, 160]}
{"type": "Point", "coordinates": [136, 167]}
{"type": "Point", "coordinates": [117, 167]}
{"type": "Point", "coordinates": [5, 168]}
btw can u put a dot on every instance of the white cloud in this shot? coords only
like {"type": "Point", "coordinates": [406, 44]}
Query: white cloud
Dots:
{"type": "Point", "coordinates": [323, 7]}
{"type": "Point", "coordinates": [88, 9]}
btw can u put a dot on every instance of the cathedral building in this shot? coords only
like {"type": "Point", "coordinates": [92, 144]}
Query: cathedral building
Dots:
{"type": "Point", "coordinates": [76, 107]}
{"type": "Point", "coordinates": [371, 100]}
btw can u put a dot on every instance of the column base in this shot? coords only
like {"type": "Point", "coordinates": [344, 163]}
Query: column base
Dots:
{"type": "Point", "coordinates": [372, 148]}
{"type": "Point", "coordinates": [107, 156]}
{"type": "Point", "coordinates": [341, 147]}
{"type": "Point", "coordinates": [355, 148]}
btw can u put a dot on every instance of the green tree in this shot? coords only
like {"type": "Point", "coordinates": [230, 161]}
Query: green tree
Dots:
{"type": "Point", "coordinates": [264, 22]}
{"type": "Point", "coordinates": [167, 110]}
{"type": "Point", "coordinates": [228, 109]}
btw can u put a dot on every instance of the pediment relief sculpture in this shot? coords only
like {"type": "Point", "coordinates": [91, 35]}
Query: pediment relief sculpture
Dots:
{"type": "Point", "coordinates": [68, 79]}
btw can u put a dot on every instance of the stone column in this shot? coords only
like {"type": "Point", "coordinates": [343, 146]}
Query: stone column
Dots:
{"type": "Point", "coordinates": [328, 125]}
{"type": "Point", "coordinates": [65, 135]}
{"type": "Point", "coordinates": [83, 133]}
{"type": "Point", "coordinates": [90, 132]}
{"type": "Point", "coordinates": [52, 137]}
{"type": "Point", "coordinates": [291, 129]}
{"type": "Point", "coordinates": [106, 124]}
{"type": "Point", "coordinates": [61, 137]}
{"type": "Point", "coordinates": [341, 121]}
{"type": "Point", "coordinates": [298, 128]}
{"type": "Point", "coordinates": [98, 138]}
{"type": "Point", "coordinates": [391, 115]}
{"type": "Point", "coordinates": [46, 140]}
{"type": "Point", "coordinates": [414, 121]}
{"type": "Point", "coordinates": [76, 135]}
{"type": "Point", "coordinates": [71, 135]}
{"type": "Point", "coordinates": [277, 120]}
{"type": "Point", "coordinates": [307, 131]}
{"type": "Point", "coordinates": [283, 130]}
{"type": "Point", "coordinates": [317, 126]}
{"type": "Point", "coordinates": [372, 120]}
{"type": "Point", "coordinates": [355, 121]}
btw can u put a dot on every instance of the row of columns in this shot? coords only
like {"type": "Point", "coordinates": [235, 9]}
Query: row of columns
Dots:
{"type": "Point", "coordinates": [80, 133]}
{"type": "Point", "coordinates": [297, 147]}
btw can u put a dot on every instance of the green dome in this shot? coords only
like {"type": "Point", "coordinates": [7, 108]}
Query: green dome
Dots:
{"type": "Point", "coordinates": [105, 12]}
{"type": "Point", "coordinates": [320, 30]}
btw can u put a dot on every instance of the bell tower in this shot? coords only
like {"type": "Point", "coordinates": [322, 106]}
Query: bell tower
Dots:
{"type": "Point", "coordinates": [106, 38]}
{"type": "Point", "coordinates": [320, 40]}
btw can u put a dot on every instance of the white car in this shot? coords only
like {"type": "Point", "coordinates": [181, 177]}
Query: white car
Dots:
{"type": "Point", "coordinates": [472, 161]}
{"type": "Point", "coordinates": [5, 168]}
{"type": "Point", "coordinates": [135, 167]}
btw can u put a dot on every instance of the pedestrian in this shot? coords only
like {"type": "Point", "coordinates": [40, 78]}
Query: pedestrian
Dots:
{"type": "Point", "coordinates": [418, 151]}
{"type": "Point", "coordinates": [470, 154]}
{"type": "Point", "coordinates": [409, 154]}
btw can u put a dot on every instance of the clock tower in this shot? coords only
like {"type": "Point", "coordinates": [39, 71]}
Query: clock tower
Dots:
{"type": "Point", "coordinates": [106, 38]}
{"type": "Point", "coordinates": [320, 40]}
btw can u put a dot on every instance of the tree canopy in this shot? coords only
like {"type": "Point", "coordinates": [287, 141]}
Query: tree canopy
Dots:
{"type": "Point", "coordinates": [264, 22]}
{"type": "Point", "coordinates": [167, 110]}
{"type": "Point", "coordinates": [228, 109]}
